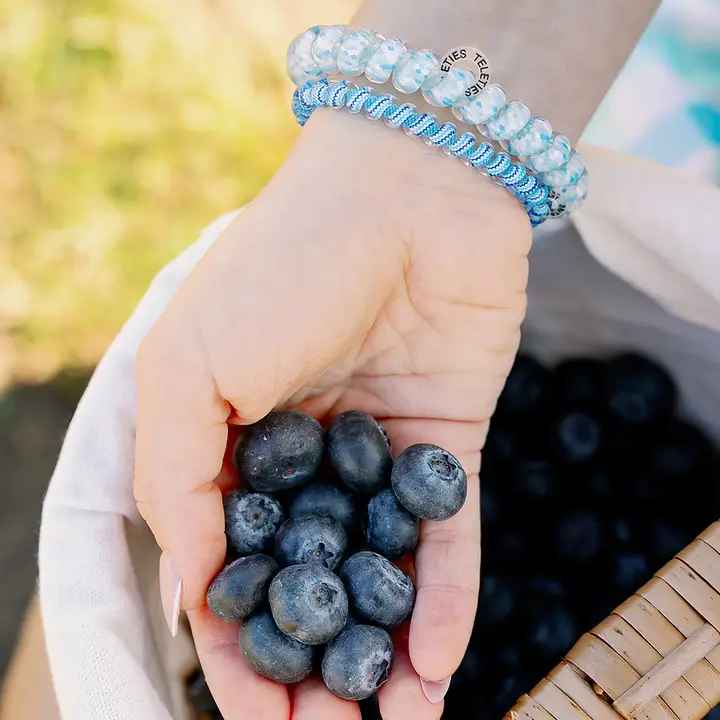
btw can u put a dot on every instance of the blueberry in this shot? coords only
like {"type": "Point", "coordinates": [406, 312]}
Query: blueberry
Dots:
{"type": "Point", "coordinates": [391, 529]}
{"type": "Point", "coordinates": [313, 538]}
{"type": "Point", "coordinates": [510, 688]}
{"type": "Point", "coordinates": [272, 653]}
{"type": "Point", "coordinates": [471, 677]}
{"type": "Point", "coordinates": [429, 482]}
{"type": "Point", "coordinates": [579, 384]}
{"type": "Point", "coordinates": [357, 662]}
{"type": "Point", "coordinates": [577, 437]}
{"type": "Point", "coordinates": [665, 540]}
{"type": "Point", "coordinates": [379, 592]}
{"type": "Point", "coordinates": [508, 549]}
{"type": "Point", "coordinates": [623, 531]}
{"type": "Point", "coordinates": [241, 587]}
{"type": "Point", "coordinates": [545, 588]}
{"type": "Point", "coordinates": [553, 634]}
{"type": "Point", "coordinates": [502, 443]}
{"type": "Point", "coordinates": [322, 498]}
{"type": "Point", "coordinates": [533, 481]}
{"type": "Point", "coordinates": [580, 537]}
{"type": "Point", "coordinates": [638, 391]}
{"type": "Point", "coordinates": [281, 451]}
{"type": "Point", "coordinates": [526, 390]}
{"type": "Point", "coordinates": [497, 604]}
{"type": "Point", "coordinates": [489, 505]}
{"type": "Point", "coordinates": [600, 483]}
{"type": "Point", "coordinates": [629, 571]}
{"type": "Point", "coordinates": [681, 452]}
{"type": "Point", "coordinates": [251, 521]}
{"type": "Point", "coordinates": [308, 603]}
{"type": "Point", "coordinates": [359, 451]}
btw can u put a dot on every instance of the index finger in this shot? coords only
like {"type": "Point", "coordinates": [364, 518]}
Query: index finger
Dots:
{"type": "Point", "coordinates": [447, 559]}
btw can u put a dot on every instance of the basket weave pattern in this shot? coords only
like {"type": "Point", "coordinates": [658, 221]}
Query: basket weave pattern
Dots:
{"type": "Point", "coordinates": [657, 657]}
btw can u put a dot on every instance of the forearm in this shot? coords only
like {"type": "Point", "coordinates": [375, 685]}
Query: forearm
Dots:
{"type": "Point", "coordinates": [558, 56]}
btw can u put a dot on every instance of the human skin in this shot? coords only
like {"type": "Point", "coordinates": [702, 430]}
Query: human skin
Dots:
{"type": "Point", "coordinates": [372, 273]}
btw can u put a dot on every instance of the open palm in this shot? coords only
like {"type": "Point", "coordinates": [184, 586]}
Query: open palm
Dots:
{"type": "Point", "coordinates": [385, 279]}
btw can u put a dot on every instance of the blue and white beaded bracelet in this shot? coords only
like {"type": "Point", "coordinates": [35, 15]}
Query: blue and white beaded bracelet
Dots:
{"type": "Point", "coordinates": [514, 176]}
{"type": "Point", "coordinates": [325, 51]}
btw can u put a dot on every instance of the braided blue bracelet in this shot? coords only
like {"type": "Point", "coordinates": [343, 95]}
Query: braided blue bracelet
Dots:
{"type": "Point", "coordinates": [324, 51]}
{"type": "Point", "coordinates": [513, 176]}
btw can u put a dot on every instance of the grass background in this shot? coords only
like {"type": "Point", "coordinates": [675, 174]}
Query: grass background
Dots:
{"type": "Point", "coordinates": [125, 127]}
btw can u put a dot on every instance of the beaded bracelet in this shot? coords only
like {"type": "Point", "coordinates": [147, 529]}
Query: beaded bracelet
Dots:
{"type": "Point", "coordinates": [527, 188]}
{"type": "Point", "coordinates": [324, 51]}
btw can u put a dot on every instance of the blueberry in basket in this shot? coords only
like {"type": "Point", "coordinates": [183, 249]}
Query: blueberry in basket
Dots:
{"type": "Point", "coordinates": [593, 482]}
{"type": "Point", "coordinates": [304, 598]}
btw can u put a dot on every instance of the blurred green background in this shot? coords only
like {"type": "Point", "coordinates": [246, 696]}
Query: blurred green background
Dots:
{"type": "Point", "coordinates": [126, 126]}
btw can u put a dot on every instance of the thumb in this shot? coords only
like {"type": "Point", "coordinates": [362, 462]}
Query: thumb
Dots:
{"type": "Point", "coordinates": [182, 459]}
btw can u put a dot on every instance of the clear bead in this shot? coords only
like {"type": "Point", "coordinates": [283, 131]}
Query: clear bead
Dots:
{"type": "Point", "coordinates": [568, 174]}
{"type": "Point", "coordinates": [444, 89]}
{"type": "Point", "coordinates": [535, 138]}
{"type": "Point", "coordinates": [480, 108]}
{"type": "Point", "coordinates": [510, 121]}
{"type": "Point", "coordinates": [381, 64]}
{"type": "Point", "coordinates": [572, 195]}
{"type": "Point", "coordinates": [300, 64]}
{"type": "Point", "coordinates": [554, 157]}
{"type": "Point", "coordinates": [324, 48]}
{"type": "Point", "coordinates": [354, 51]}
{"type": "Point", "coordinates": [413, 69]}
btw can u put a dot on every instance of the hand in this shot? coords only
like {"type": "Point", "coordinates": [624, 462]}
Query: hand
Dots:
{"type": "Point", "coordinates": [372, 273]}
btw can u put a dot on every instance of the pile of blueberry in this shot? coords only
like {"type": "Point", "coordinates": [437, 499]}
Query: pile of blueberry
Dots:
{"type": "Point", "coordinates": [312, 579]}
{"type": "Point", "coordinates": [590, 481]}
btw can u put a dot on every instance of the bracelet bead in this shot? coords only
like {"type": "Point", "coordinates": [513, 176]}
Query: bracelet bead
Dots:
{"type": "Point", "coordinates": [412, 69]}
{"type": "Point", "coordinates": [554, 157]}
{"type": "Point", "coordinates": [571, 195]}
{"type": "Point", "coordinates": [568, 174]}
{"type": "Point", "coordinates": [382, 62]}
{"type": "Point", "coordinates": [482, 107]}
{"type": "Point", "coordinates": [301, 66]}
{"type": "Point", "coordinates": [325, 47]}
{"type": "Point", "coordinates": [354, 51]}
{"type": "Point", "coordinates": [509, 121]}
{"type": "Point", "coordinates": [533, 139]}
{"type": "Point", "coordinates": [444, 89]}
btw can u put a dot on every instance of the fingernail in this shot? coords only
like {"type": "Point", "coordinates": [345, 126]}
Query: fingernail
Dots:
{"type": "Point", "coordinates": [435, 691]}
{"type": "Point", "coordinates": [170, 593]}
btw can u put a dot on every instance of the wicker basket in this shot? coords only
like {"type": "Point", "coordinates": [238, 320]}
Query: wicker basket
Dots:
{"type": "Point", "coordinates": [657, 657]}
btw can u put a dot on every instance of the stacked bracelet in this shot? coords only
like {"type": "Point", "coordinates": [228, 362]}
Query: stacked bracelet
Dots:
{"type": "Point", "coordinates": [324, 51]}
{"type": "Point", "coordinates": [513, 176]}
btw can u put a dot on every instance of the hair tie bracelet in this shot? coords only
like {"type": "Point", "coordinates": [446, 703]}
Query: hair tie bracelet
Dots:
{"type": "Point", "coordinates": [513, 176]}
{"type": "Point", "coordinates": [324, 51]}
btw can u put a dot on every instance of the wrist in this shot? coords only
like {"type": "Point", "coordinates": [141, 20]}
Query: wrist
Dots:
{"type": "Point", "coordinates": [380, 169]}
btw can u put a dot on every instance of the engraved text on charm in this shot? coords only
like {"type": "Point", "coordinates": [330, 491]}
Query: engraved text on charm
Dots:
{"type": "Point", "coordinates": [471, 59]}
